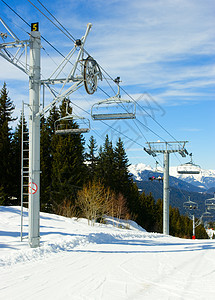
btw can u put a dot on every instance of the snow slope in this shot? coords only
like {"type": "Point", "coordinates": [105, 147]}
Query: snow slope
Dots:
{"type": "Point", "coordinates": [77, 261]}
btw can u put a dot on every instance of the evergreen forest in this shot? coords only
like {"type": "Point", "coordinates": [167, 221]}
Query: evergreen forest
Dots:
{"type": "Point", "coordinates": [79, 180]}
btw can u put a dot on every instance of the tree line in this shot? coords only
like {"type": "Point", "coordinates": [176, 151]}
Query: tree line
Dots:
{"type": "Point", "coordinates": [77, 179]}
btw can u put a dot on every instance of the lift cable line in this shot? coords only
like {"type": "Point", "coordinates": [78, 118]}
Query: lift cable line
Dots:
{"type": "Point", "coordinates": [15, 12]}
{"type": "Point", "coordinates": [30, 26]}
{"type": "Point", "coordinates": [166, 149]}
{"type": "Point", "coordinates": [69, 35]}
{"type": "Point", "coordinates": [86, 52]}
{"type": "Point", "coordinates": [88, 76]}
{"type": "Point", "coordinates": [91, 63]}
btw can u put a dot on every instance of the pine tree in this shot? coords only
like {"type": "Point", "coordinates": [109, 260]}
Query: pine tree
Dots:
{"type": "Point", "coordinates": [45, 166]}
{"type": "Point", "coordinates": [92, 158]}
{"type": "Point", "coordinates": [68, 168]}
{"type": "Point", "coordinates": [6, 153]}
{"type": "Point", "coordinates": [121, 173]}
{"type": "Point", "coordinates": [147, 212]}
{"type": "Point", "coordinates": [106, 164]}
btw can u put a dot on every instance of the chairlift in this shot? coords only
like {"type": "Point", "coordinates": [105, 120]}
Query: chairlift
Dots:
{"type": "Point", "coordinates": [210, 203]}
{"type": "Point", "coordinates": [114, 108]}
{"type": "Point", "coordinates": [71, 124]}
{"type": "Point", "coordinates": [189, 168]}
{"type": "Point", "coordinates": [159, 178]}
{"type": "Point", "coordinates": [66, 125]}
{"type": "Point", "coordinates": [207, 215]}
{"type": "Point", "coordinates": [190, 205]}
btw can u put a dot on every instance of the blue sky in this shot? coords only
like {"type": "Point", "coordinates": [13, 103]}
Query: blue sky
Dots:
{"type": "Point", "coordinates": [164, 48]}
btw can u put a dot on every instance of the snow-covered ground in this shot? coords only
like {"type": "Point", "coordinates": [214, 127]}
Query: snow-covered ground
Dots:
{"type": "Point", "coordinates": [77, 261]}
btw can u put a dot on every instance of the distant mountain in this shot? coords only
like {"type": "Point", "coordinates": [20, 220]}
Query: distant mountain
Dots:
{"type": "Point", "coordinates": [205, 181]}
{"type": "Point", "coordinates": [177, 196]}
{"type": "Point", "coordinates": [197, 187]}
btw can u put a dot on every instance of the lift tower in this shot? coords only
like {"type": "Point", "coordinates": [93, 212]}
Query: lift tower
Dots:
{"type": "Point", "coordinates": [34, 139]}
{"type": "Point", "coordinates": [33, 71]}
{"type": "Point", "coordinates": [166, 148]}
{"type": "Point", "coordinates": [85, 72]}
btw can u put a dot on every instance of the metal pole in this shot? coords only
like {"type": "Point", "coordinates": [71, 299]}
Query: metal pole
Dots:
{"type": "Point", "coordinates": [194, 227]}
{"type": "Point", "coordinates": [22, 137]}
{"type": "Point", "coordinates": [166, 194]}
{"type": "Point", "coordinates": [34, 140]}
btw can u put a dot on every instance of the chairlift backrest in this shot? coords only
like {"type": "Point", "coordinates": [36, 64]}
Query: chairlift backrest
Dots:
{"type": "Point", "coordinates": [71, 124]}
{"type": "Point", "coordinates": [190, 205]}
{"type": "Point", "coordinates": [114, 108]}
{"type": "Point", "coordinates": [189, 168]}
{"type": "Point", "coordinates": [207, 215]}
{"type": "Point", "coordinates": [210, 204]}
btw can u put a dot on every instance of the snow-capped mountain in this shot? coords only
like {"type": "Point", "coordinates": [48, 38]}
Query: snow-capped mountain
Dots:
{"type": "Point", "coordinates": [205, 180]}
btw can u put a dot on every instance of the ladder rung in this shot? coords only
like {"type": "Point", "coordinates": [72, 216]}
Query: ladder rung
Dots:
{"type": "Point", "coordinates": [25, 194]}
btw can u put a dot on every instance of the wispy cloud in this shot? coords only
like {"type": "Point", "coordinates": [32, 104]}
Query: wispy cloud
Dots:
{"type": "Point", "coordinates": [191, 129]}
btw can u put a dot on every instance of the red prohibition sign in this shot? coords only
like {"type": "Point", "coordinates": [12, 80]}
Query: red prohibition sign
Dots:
{"type": "Point", "coordinates": [32, 187]}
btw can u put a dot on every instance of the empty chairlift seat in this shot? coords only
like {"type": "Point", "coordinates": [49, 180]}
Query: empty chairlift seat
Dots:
{"type": "Point", "coordinates": [114, 108]}
{"type": "Point", "coordinates": [210, 203]}
{"type": "Point", "coordinates": [72, 124]}
{"type": "Point", "coordinates": [189, 168]}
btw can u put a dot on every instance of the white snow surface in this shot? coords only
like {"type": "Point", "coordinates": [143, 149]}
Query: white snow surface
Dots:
{"type": "Point", "coordinates": [78, 261]}
{"type": "Point", "coordinates": [138, 168]}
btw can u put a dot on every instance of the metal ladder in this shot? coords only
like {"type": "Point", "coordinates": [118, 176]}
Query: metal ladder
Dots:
{"type": "Point", "coordinates": [24, 172]}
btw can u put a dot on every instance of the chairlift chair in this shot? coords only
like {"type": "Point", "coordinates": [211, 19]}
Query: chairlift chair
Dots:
{"type": "Point", "coordinates": [207, 215]}
{"type": "Point", "coordinates": [114, 108]}
{"type": "Point", "coordinates": [159, 178]}
{"type": "Point", "coordinates": [210, 203]}
{"type": "Point", "coordinates": [66, 125]}
{"type": "Point", "coordinates": [189, 168]}
{"type": "Point", "coordinates": [190, 205]}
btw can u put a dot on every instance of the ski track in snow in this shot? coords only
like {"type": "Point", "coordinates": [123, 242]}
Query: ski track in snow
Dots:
{"type": "Point", "coordinates": [102, 262]}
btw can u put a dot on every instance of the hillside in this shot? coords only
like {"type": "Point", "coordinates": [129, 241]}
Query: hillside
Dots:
{"type": "Point", "coordinates": [181, 186]}
{"type": "Point", "coordinates": [102, 262]}
{"type": "Point", "coordinates": [177, 197]}
{"type": "Point", "coordinates": [196, 183]}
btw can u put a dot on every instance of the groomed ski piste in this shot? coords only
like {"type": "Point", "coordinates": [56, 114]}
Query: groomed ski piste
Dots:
{"type": "Point", "coordinates": [81, 262]}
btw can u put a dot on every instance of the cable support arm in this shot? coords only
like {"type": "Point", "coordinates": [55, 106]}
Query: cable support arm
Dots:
{"type": "Point", "coordinates": [9, 30]}
{"type": "Point", "coordinates": [58, 98]}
